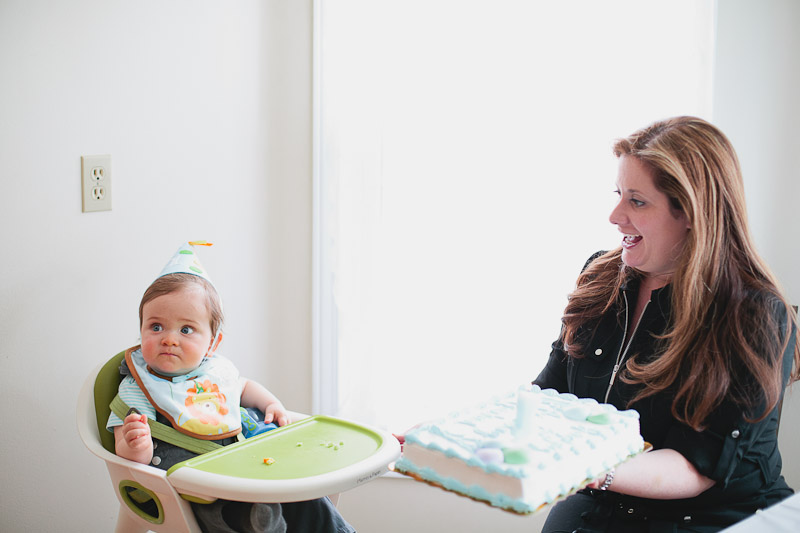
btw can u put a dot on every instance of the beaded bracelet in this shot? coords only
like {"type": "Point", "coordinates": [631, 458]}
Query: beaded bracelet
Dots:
{"type": "Point", "coordinates": [608, 481]}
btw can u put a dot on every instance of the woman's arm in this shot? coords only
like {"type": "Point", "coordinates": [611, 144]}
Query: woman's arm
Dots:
{"type": "Point", "coordinates": [554, 373]}
{"type": "Point", "coordinates": [256, 395]}
{"type": "Point", "coordinates": [660, 475]}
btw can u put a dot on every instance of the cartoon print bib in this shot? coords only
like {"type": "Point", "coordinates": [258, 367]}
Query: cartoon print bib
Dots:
{"type": "Point", "coordinates": [203, 403]}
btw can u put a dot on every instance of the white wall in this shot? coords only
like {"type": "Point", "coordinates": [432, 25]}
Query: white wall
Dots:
{"type": "Point", "coordinates": [204, 107]}
{"type": "Point", "coordinates": [757, 104]}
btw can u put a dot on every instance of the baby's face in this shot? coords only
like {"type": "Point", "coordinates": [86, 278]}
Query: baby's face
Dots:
{"type": "Point", "coordinates": [176, 331]}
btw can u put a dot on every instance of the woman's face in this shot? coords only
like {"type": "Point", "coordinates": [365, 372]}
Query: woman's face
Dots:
{"type": "Point", "coordinates": [653, 231]}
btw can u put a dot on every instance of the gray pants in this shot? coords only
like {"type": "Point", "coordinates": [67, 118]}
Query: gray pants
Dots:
{"type": "Point", "coordinates": [225, 516]}
{"type": "Point", "coordinates": [314, 516]}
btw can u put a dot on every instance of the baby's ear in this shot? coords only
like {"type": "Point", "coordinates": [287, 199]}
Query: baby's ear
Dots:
{"type": "Point", "coordinates": [214, 344]}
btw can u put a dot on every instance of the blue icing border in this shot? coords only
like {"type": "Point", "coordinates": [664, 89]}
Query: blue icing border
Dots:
{"type": "Point", "coordinates": [474, 491]}
{"type": "Point", "coordinates": [490, 468]}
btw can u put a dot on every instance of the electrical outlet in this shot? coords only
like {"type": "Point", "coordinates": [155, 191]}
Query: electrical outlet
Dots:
{"type": "Point", "coordinates": [96, 182]}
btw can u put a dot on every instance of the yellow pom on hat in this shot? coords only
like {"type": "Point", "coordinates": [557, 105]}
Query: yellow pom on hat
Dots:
{"type": "Point", "coordinates": [186, 261]}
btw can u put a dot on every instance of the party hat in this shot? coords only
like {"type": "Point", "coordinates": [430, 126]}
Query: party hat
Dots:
{"type": "Point", "coordinates": [186, 261]}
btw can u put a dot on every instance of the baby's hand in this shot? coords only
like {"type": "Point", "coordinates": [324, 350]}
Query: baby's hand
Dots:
{"type": "Point", "coordinates": [136, 431]}
{"type": "Point", "coordinates": [275, 412]}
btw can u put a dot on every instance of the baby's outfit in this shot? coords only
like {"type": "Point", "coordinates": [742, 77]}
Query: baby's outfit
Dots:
{"type": "Point", "coordinates": [203, 403]}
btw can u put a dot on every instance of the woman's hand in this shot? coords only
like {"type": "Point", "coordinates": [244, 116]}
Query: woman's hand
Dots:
{"type": "Point", "coordinates": [603, 481]}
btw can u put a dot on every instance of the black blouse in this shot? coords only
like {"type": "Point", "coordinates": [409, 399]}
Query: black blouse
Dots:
{"type": "Point", "coordinates": [741, 457]}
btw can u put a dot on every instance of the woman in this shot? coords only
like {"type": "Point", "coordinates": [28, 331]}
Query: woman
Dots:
{"type": "Point", "coordinates": [684, 323]}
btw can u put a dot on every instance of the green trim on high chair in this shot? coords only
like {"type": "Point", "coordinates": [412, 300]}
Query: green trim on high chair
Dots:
{"type": "Point", "coordinates": [106, 386]}
{"type": "Point", "coordinates": [197, 499]}
{"type": "Point", "coordinates": [140, 495]}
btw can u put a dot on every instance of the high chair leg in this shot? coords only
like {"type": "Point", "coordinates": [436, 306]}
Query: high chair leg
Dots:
{"type": "Point", "coordinates": [127, 523]}
{"type": "Point", "coordinates": [334, 498]}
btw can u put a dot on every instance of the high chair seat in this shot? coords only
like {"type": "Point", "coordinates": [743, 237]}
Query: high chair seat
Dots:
{"type": "Point", "coordinates": [310, 458]}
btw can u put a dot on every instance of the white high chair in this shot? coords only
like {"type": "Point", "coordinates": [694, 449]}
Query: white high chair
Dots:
{"type": "Point", "coordinates": [147, 495]}
{"type": "Point", "coordinates": [172, 513]}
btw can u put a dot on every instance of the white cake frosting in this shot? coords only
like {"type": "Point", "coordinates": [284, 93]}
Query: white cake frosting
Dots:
{"type": "Point", "coordinates": [523, 450]}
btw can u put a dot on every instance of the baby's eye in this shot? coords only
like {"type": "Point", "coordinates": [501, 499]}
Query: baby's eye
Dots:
{"type": "Point", "coordinates": [156, 327]}
{"type": "Point", "coordinates": [186, 330]}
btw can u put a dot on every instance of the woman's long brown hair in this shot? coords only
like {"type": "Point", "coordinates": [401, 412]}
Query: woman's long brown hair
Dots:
{"type": "Point", "coordinates": [723, 340]}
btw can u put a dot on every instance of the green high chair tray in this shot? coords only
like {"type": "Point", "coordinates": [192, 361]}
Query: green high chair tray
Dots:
{"type": "Point", "coordinates": [307, 459]}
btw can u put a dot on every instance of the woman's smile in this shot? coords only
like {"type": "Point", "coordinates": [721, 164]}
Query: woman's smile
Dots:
{"type": "Point", "coordinates": [629, 241]}
{"type": "Point", "coordinates": [654, 232]}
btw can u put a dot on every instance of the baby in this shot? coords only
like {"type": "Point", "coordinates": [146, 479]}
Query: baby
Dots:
{"type": "Point", "coordinates": [176, 377]}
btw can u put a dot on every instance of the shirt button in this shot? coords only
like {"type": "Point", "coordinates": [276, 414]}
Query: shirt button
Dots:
{"type": "Point", "coordinates": [598, 351]}
{"type": "Point", "coordinates": [735, 433]}
{"type": "Point", "coordinates": [156, 460]}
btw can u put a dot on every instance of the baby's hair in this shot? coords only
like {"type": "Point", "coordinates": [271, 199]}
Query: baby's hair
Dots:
{"type": "Point", "coordinates": [173, 282]}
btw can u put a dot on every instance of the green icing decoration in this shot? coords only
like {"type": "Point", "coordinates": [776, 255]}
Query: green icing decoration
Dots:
{"type": "Point", "coordinates": [515, 456]}
{"type": "Point", "coordinates": [601, 418]}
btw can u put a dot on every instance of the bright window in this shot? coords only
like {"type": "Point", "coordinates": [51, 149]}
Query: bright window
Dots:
{"type": "Point", "coordinates": [463, 174]}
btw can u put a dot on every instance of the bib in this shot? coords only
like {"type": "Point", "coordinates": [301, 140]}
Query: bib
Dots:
{"type": "Point", "coordinates": [203, 403]}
